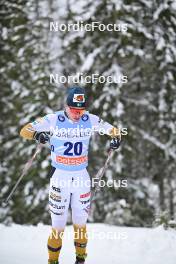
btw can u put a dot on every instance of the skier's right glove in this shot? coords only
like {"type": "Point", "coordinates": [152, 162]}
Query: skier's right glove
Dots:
{"type": "Point", "coordinates": [115, 143]}
{"type": "Point", "coordinates": [41, 137]}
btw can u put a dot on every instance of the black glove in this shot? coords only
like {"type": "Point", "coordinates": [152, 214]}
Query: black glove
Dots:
{"type": "Point", "coordinates": [115, 143]}
{"type": "Point", "coordinates": [41, 137]}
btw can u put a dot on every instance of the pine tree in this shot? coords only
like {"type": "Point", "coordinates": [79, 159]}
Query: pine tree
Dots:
{"type": "Point", "coordinates": [25, 95]}
{"type": "Point", "coordinates": [145, 104]}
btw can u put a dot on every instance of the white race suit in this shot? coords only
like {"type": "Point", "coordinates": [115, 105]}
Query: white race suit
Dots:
{"type": "Point", "coordinates": [70, 181]}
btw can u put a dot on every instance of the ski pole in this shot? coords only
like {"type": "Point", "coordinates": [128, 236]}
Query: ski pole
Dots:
{"type": "Point", "coordinates": [100, 174]}
{"type": "Point", "coordinates": [24, 171]}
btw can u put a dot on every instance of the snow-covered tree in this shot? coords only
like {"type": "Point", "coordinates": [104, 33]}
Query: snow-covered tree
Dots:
{"type": "Point", "coordinates": [145, 53]}
{"type": "Point", "coordinates": [25, 95]}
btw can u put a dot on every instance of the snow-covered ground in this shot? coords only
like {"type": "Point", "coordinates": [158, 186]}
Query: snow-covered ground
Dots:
{"type": "Point", "coordinates": [107, 245]}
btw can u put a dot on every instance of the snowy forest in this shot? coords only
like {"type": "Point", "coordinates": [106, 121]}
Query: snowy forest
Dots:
{"type": "Point", "coordinates": [145, 104]}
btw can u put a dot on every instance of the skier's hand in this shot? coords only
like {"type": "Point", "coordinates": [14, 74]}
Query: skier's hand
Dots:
{"type": "Point", "coordinates": [115, 133]}
{"type": "Point", "coordinates": [115, 143]}
{"type": "Point", "coordinates": [41, 137]}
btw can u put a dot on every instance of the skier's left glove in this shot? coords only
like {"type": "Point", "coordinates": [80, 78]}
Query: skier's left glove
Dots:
{"type": "Point", "coordinates": [41, 137]}
{"type": "Point", "coordinates": [115, 143]}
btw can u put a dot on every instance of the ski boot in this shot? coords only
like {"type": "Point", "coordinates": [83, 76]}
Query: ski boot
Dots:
{"type": "Point", "coordinates": [53, 262]}
{"type": "Point", "coordinates": [79, 260]}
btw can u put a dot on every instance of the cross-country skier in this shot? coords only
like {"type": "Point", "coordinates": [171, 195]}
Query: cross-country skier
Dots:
{"type": "Point", "coordinates": [69, 131]}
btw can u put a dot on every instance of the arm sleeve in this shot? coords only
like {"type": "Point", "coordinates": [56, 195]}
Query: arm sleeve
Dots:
{"type": "Point", "coordinates": [27, 132]}
{"type": "Point", "coordinates": [43, 124]}
{"type": "Point", "coordinates": [98, 125]}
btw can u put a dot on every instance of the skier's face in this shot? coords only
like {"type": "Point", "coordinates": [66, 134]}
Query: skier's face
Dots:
{"type": "Point", "coordinates": [75, 113]}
